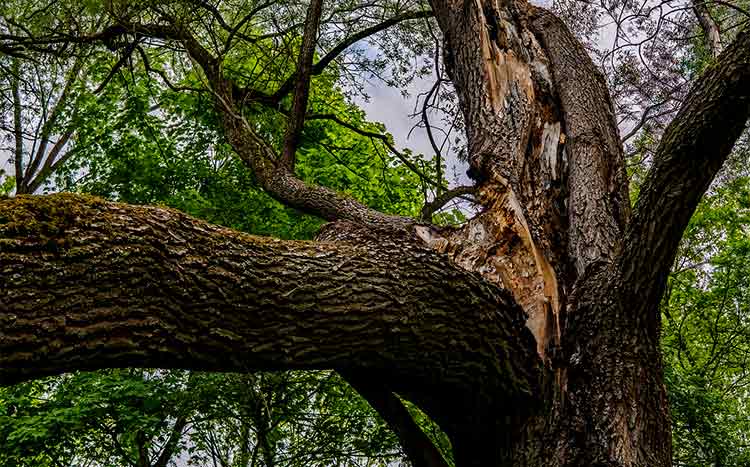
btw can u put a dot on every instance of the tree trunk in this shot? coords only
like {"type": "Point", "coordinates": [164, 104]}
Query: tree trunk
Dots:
{"type": "Point", "coordinates": [530, 334]}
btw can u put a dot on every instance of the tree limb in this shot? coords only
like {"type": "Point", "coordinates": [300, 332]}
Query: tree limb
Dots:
{"type": "Point", "coordinates": [417, 446]}
{"type": "Point", "coordinates": [301, 85]}
{"type": "Point", "coordinates": [89, 284]}
{"type": "Point", "coordinates": [599, 203]}
{"type": "Point", "coordinates": [692, 150]}
{"type": "Point", "coordinates": [440, 200]}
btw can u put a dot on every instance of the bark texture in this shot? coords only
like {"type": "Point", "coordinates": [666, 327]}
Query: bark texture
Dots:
{"type": "Point", "coordinates": [515, 134]}
{"type": "Point", "coordinates": [89, 284]}
{"type": "Point", "coordinates": [530, 334]}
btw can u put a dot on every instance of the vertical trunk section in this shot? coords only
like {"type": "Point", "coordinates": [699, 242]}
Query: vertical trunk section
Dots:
{"type": "Point", "coordinates": [516, 141]}
{"type": "Point", "coordinates": [614, 410]}
{"type": "Point", "coordinates": [544, 148]}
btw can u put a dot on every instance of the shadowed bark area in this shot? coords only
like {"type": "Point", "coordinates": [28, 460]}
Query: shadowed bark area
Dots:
{"type": "Point", "coordinates": [89, 284]}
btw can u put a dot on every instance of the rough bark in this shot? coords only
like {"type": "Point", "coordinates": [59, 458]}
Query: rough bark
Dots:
{"type": "Point", "coordinates": [598, 202]}
{"type": "Point", "coordinates": [615, 410]}
{"type": "Point", "coordinates": [514, 132]}
{"type": "Point", "coordinates": [429, 313]}
{"type": "Point", "coordinates": [89, 284]}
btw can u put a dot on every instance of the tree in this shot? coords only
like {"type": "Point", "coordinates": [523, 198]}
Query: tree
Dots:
{"type": "Point", "coordinates": [530, 334]}
{"type": "Point", "coordinates": [261, 418]}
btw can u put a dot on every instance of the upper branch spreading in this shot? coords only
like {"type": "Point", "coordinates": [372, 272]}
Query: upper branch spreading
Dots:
{"type": "Point", "coordinates": [692, 150]}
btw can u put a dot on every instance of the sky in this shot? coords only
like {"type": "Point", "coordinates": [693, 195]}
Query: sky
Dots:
{"type": "Point", "coordinates": [388, 106]}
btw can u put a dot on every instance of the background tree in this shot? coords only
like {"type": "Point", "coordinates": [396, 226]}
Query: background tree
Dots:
{"type": "Point", "coordinates": [580, 384]}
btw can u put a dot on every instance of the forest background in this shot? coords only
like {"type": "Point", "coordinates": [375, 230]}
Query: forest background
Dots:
{"type": "Point", "coordinates": [136, 126]}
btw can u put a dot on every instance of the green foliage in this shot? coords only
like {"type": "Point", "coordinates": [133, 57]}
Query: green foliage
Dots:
{"type": "Point", "coordinates": [7, 183]}
{"type": "Point", "coordinates": [706, 333]}
{"type": "Point", "coordinates": [113, 417]}
{"type": "Point", "coordinates": [139, 141]}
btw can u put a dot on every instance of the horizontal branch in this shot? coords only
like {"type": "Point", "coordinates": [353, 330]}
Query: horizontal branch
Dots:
{"type": "Point", "coordinates": [89, 284]}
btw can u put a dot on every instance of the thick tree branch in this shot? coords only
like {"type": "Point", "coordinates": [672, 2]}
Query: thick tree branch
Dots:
{"type": "Point", "coordinates": [692, 150]}
{"type": "Point", "coordinates": [89, 284]}
{"type": "Point", "coordinates": [284, 186]}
